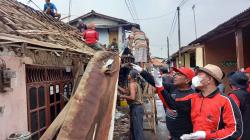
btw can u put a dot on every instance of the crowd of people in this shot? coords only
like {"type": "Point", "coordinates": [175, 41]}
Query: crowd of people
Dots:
{"type": "Point", "coordinates": [194, 100]}
{"type": "Point", "coordinates": [195, 107]}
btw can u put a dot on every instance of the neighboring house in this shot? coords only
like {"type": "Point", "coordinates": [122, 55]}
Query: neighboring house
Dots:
{"type": "Point", "coordinates": [158, 62]}
{"type": "Point", "coordinates": [191, 56]}
{"type": "Point", "coordinates": [228, 44]}
{"type": "Point", "coordinates": [108, 27]}
{"type": "Point", "coordinates": [38, 60]}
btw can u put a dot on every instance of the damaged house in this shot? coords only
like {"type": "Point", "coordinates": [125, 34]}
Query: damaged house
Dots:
{"type": "Point", "coordinates": [39, 60]}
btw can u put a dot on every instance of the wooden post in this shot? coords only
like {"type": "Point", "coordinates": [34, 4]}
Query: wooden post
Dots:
{"type": "Point", "coordinates": [239, 49]}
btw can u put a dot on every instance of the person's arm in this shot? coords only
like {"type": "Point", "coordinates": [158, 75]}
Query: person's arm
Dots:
{"type": "Point", "coordinates": [54, 6]}
{"type": "Point", "coordinates": [232, 119]}
{"type": "Point", "coordinates": [84, 35]}
{"type": "Point", "coordinates": [148, 77]}
{"type": "Point", "coordinates": [97, 36]}
{"type": "Point", "coordinates": [124, 91]}
{"type": "Point", "coordinates": [235, 99]}
{"type": "Point", "coordinates": [132, 89]}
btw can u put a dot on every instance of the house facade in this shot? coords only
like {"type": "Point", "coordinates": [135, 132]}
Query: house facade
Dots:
{"type": "Point", "coordinates": [39, 58]}
{"type": "Point", "coordinates": [109, 28]}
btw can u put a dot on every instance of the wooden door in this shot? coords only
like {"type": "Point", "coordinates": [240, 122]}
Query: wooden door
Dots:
{"type": "Point", "coordinates": [113, 33]}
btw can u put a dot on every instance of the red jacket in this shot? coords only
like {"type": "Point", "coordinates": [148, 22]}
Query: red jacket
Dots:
{"type": "Point", "coordinates": [215, 114]}
{"type": "Point", "coordinates": [91, 36]}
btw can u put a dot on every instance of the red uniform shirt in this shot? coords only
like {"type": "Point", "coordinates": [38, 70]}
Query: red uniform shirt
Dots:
{"type": "Point", "coordinates": [91, 36]}
{"type": "Point", "coordinates": [215, 114]}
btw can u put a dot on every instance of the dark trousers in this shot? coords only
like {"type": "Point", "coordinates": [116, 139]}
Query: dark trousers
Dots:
{"type": "Point", "coordinates": [136, 118]}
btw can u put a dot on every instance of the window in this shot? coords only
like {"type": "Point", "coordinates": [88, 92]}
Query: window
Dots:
{"type": "Point", "coordinates": [45, 87]}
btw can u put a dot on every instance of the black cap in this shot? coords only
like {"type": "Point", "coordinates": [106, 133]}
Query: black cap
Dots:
{"type": "Point", "coordinates": [238, 79]}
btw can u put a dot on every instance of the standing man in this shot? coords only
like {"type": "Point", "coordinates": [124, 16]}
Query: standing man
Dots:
{"type": "Point", "coordinates": [247, 72]}
{"type": "Point", "coordinates": [134, 96]}
{"type": "Point", "coordinates": [50, 9]}
{"type": "Point", "coordinates": [239, 82]}
{"type": "Point", "coordinates": [91, 37]}
{"type": "Point", "coordinates": [214, 115]}
{"type": "Point", "coordinates": [178, 118]}
{"type": "Point", "coordinates": [141, 47]}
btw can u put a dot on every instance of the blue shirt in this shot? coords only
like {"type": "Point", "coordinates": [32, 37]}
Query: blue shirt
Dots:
{"type": "Point", "coordinates": [51, 5]}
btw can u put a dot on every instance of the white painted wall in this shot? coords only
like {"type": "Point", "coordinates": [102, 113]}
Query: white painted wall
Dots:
{"type": "Point", "coordinates": [103, 36]}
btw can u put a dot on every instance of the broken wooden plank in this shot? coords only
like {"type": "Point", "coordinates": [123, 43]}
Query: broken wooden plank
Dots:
{"type": "Point", "coordinates": [39, 32]}
{"type": "Point", "coordinates": [90, 113]}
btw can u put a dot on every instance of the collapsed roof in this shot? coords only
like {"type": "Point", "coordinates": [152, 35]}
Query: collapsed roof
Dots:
{"type": "Point", "coordinates": [21, 23]}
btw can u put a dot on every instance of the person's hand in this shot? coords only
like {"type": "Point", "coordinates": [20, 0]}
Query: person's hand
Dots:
{"type": "Point", "coordinates": [157, 78]}
{"type": "Point", "coordinates": [136, 67]}
{"type": "Point", "coordinates": [185, 137]}
{"type": "Point", "coordinates": [194, 136]}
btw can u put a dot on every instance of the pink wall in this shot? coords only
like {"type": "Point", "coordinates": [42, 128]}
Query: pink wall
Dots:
{"type": "Point", "coordinates": [219, 50]}
{"type": "Point", "coordinates": [14, 117]}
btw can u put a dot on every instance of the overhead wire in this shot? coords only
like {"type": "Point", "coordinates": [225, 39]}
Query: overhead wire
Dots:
{"type": "Point", "coordinates": [134, 9]}
{"type": "Point", "coordinates": [129, 9]}
{"type": "Point", "coordinates": [171, 30]}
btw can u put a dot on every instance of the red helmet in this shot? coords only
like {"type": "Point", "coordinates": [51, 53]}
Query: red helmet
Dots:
{"type": "Point", "coordinates": [188, 72]}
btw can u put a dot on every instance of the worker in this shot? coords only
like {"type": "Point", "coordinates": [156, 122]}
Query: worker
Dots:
{"type": "Point", "coordinates": [178, 118]}
{"type": "Point", "coordinates": [91, 37]}
{"type": "Point", "coordinates": [140, 52]}
{"type": "Point", "coordinates": [134, 96]}
{"type": "Point", "coordinates": [50, 9]}
{"type": "Point", "coordinates": [238, 82]}
{"type": "Point", "coordinates": [214, 115]}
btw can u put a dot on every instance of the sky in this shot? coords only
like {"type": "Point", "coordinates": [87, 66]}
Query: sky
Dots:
{"type": "Point", "coordinates": [156, 17]}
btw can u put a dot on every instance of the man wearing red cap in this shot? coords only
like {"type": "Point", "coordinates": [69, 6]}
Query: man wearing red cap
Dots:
{"type": "Point", "coordinates": [247, 72]}
{"type": "Point", "coordinates": [177, 113]}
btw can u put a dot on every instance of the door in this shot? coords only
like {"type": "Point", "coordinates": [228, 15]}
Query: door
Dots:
{"type": "Point", "coordinates": [113, 33]}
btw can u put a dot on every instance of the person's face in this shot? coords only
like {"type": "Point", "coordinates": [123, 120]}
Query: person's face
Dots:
{"type": "Point", "coordinates": [47, 1]}
{"type": "Point", "coordinates": [180, 79]}
{"type": "Point", "coordinates": [205, 79]}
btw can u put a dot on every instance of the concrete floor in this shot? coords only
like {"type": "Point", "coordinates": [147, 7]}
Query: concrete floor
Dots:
{"type": "Point", "coordinates": [161, 130]}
